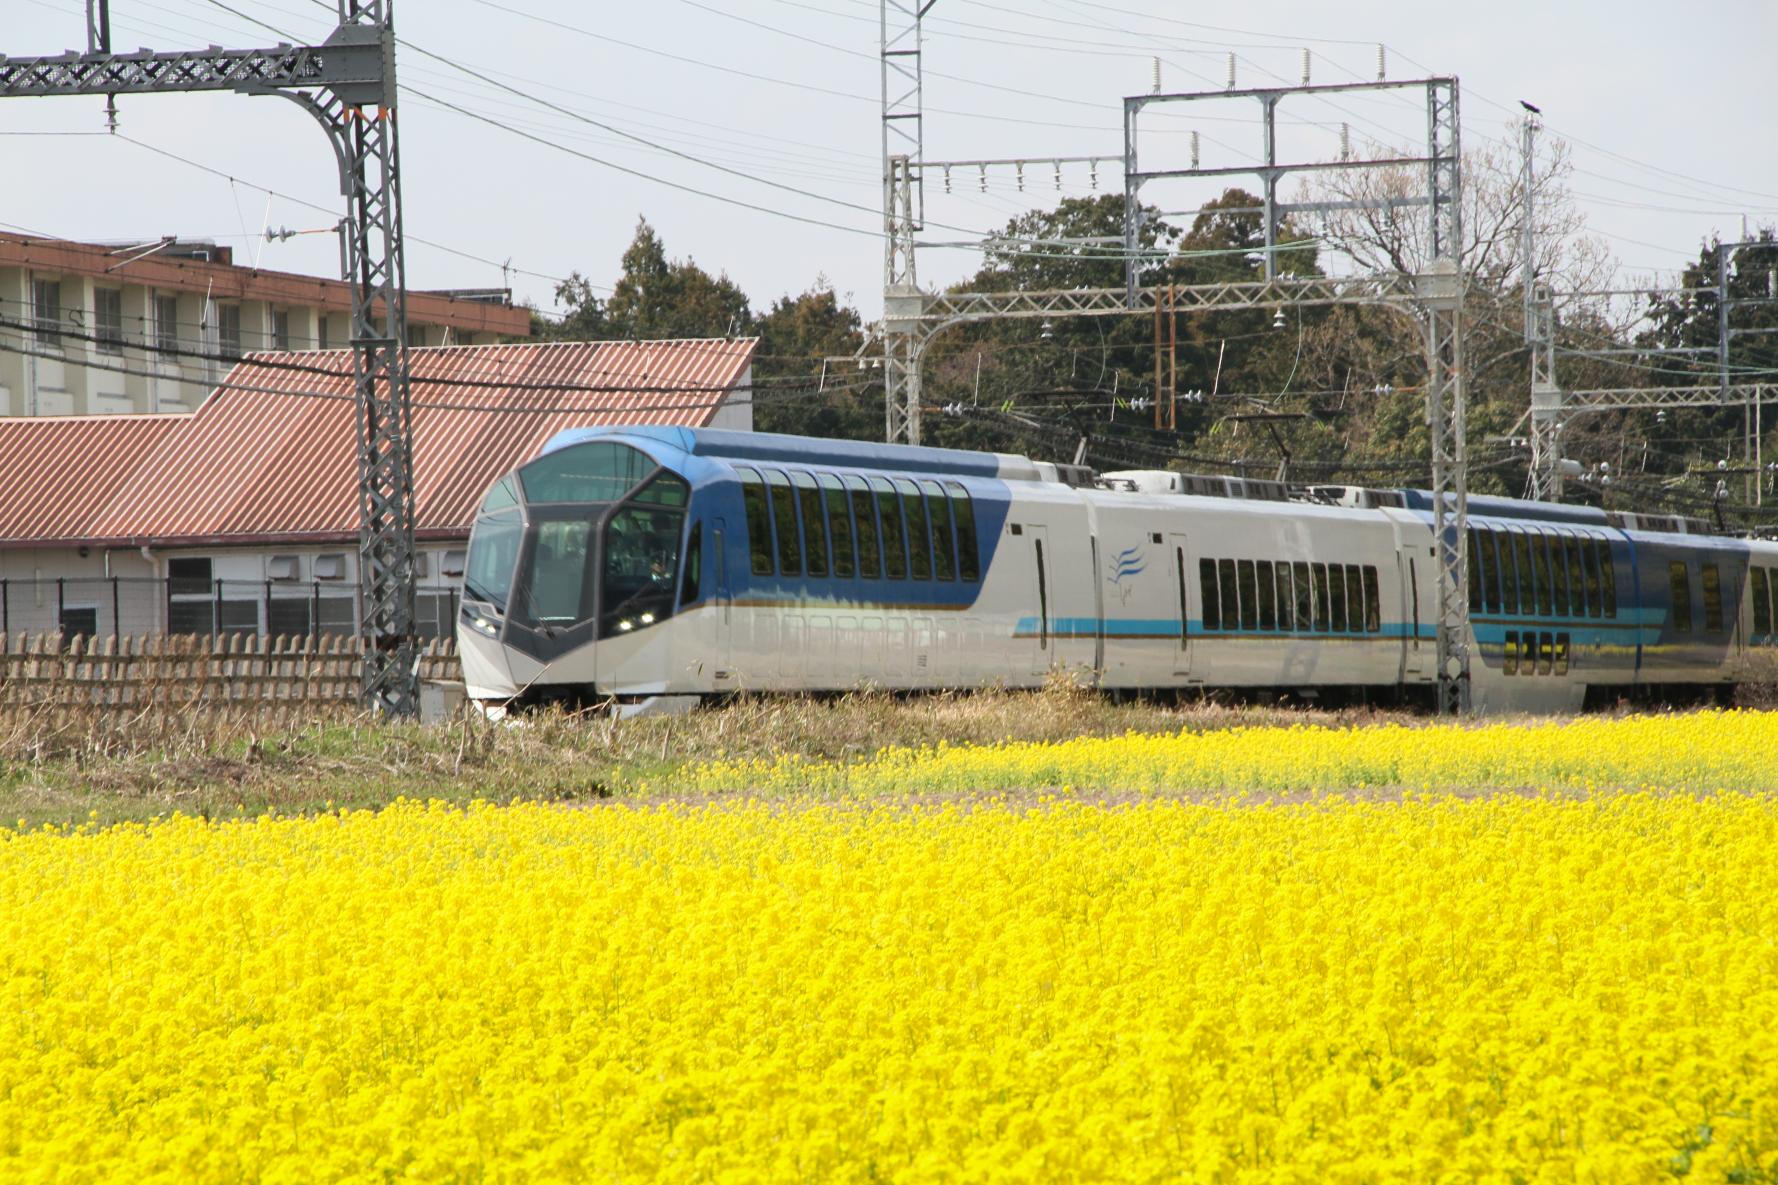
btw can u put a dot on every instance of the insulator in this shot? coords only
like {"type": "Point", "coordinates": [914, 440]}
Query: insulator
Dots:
{"type": "Point", "coordinates": [947, 178]}
{"type": "Point", "coordinates": [1157, 76]}
{"type": "Point", "coordinates": [1345, 141]}
{"type": "Point", "coordinates": [1058, 165]}
{"type": "Point", "coordinates": [1382, 63]}
{"type": "Point", "coordinates": [984, 169]}
{"type": "Point", "coordinates": [1231, 71]}
{"type": "Point", "coordinates": [1094, 175]}
{"type": "Point", "coordinates": [1020, 169]}
{"type": "Point", "coordinates": [1194, 150]}
{"type": "Point", "coordinates": [1305, 66]}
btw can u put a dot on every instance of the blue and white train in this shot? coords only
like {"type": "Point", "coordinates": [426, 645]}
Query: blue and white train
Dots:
{"type": "Point", "coordinates": [658, 565]}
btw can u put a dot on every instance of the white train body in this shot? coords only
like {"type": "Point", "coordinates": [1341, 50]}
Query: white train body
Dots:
{"type": "Point", "coordinates": [1024, 574]}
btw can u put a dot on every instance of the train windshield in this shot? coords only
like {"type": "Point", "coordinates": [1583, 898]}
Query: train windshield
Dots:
{"type": "Point", "coordinates": [639, 562]}
{"type": "Point", "coordinates": [493, 551]}
{"type": "Point", "coordinates": [587, 536]}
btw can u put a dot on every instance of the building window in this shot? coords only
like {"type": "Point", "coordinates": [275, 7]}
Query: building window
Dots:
{"type": "Point", "coordinates": [108, 320]}
{"type": "Point", "coordinates": [326, 342]}
{"type": "Point", "coordinates": [79, 621]}
{"type": "Point", "coordinates": [166, 323]}
{"type": "Point", "coordinates": [46, 310]}
{"type": "Point", "coordinates": [281, 329]}
{"type": "Point", "coordinates": [190, 576]}
{"type": "Point", "coordinates": [228, 329]}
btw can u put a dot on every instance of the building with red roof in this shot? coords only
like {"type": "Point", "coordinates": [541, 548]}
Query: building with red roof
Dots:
{"type": "Point", "coordinates": [242, 516]}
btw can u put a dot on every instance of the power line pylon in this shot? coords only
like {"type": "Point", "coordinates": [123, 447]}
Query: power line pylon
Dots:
{"type": "Point", "coordinates": [1549, 413]}
{"type": "Point", "coordinates": [347, 83]}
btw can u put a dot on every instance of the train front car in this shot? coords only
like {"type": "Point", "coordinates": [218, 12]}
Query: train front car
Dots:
{"type": "Point", "coordinates": [576, 562]}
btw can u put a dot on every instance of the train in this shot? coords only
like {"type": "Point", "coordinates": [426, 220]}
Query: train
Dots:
{"type": "Point", "coordinates": [655, 567]}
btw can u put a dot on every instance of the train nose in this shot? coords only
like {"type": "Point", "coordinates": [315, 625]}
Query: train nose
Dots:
{"type": "Point", "coordinates": [487, 671]}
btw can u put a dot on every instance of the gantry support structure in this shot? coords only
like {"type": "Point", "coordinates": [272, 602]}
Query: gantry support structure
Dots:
{"type": "Point", "coordinates": [347, 83]}
{"type": "Point", "coordinates": [912, 317]}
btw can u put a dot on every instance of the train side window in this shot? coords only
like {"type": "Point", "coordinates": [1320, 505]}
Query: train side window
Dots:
{"type": "Point", "coordinates": [1607, 577]}
{"type": "Point", "coordinates": [1207, 593]}
{"type": "Point", "coordinates": [814, 522]}
{"type": "Point", "coordinates": [1558, 557]}
{"type": "Point", "coordinates": [759, 522]}
{"type": "Point", "coordinates": [1527, 577]}
{"type": "Point", "coordinates": [839, 524]}
{"type": "Point", "coordinates": [1577, 578]}
{"type": "Point", "coordinates": [1179, 567]}
{"type": "Point", "coordinates": [694, 566]}
{"type": "Point", "coordinates": [1305, 597]}
{"type": "Point", "coordinates": [1286, 600]}
{"type": "Point", "coordinates": [1268, 590]}
{"type": "Point", "coordinates": [1509, 653]}
{"type": "Point", "coordinates": [919, 541]}
{"type": "Point", "coordinates": [1545, 653]}
{"type": "Point", "coordinates": [1481, 559]}
{"type": "Point", "coordinates": [1337, 588]}
{"type": "Point", "coordinates": [790, 544]}
{"type": "Point", "coordinates": [895, 563]}
{"type": "Point", "coordinates": [938, 514]}
{"type": "Point", "coordinates": [963, 511]}
{"type": "Point", "coordinates": [1475, 571]}
{"type": "Point", "coordinates": [864, 517]}
{"type": "Point", "coordinates": [1323, 599]}
{"type": "Point", "coordinates": [1509, 576]}
{"type": "Point", "coordinates": [1589, 564]}
{"type": "Point", "coordinates": [1542, 579]}
{"type": "Point", "coordinates": [1679, 591]}
{"type": "Point", "coordinates": [1231, 599]}
{"type": "Point", "coordinates": [1354, 599]}
{"type": "Point", "coordinates": [1495, 585]}
{"type": "Point", "coordinates": [1249, 595]}
{"type": "Point", "coordinates": [1711, 581]}
{"type": "Point", "coordinates": [1373, 601]}
{"type": "Point", "coordinates": [1762, 603]}
{"type": "Point", "coordinates": [1561, 654]}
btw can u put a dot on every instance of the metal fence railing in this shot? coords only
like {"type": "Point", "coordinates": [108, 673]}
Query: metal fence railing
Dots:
{"type": "Point", "coordinates": [122, 606]}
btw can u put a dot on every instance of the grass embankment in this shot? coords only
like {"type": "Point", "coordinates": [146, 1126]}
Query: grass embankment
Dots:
{"type": "Point", "coordinates": [61, 766]}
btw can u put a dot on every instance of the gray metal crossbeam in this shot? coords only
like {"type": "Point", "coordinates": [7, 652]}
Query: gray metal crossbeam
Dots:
{"type": "Point", "coordinates": [348, 85]}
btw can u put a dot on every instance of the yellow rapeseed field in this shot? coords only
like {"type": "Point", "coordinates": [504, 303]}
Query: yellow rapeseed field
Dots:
{"type": "Point", "coordinates": [1698, 751]}
{"type": "Point", "coordinates": [1547, 986]}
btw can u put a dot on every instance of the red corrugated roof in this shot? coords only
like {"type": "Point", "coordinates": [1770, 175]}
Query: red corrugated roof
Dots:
{"type": "Point", "coordinates": [61, 473]}
{"type": "Point", "coordinates": [271, 455]}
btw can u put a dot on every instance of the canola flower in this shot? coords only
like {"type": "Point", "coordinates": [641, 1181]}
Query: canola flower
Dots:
{"type": "Point", "coordinates": [1512, 988]}
{"type": "Point", "coordinates": [1700, 751]}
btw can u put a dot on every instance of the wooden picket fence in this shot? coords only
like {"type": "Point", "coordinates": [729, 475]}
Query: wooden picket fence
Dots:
{"type": "Point", "coordinates": [48, 670]}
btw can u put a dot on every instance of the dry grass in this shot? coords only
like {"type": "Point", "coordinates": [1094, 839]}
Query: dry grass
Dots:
{"type": "Point", "coordinates": [60, 765]}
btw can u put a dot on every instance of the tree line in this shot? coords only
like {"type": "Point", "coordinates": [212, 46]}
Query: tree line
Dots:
{"type": "Point", "coordinates": [1311, 394]}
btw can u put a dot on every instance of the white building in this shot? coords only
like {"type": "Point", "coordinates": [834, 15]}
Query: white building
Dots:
{"type": "Point", "coordinates": [87, 329]}
{"type": "Point", "coordinates": [242, 516]}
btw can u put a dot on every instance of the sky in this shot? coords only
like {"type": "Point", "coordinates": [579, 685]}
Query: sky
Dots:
{"type": "Point", "coordinates": [747, 131]}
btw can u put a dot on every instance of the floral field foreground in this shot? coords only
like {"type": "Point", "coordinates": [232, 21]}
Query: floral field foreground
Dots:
{"type": "Point", "coordinates": [1570, 988]}
{"type": "Point", "coordinates": [1702, 751]}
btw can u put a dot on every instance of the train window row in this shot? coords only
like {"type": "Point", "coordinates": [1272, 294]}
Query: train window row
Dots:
{"type": "Point", "coordinates": [822, 524]}
{"type": "Point", "coordinates": [1535, 653]}
{"type": "Point", "coordinates": [1765, 593]}
{"type": "Point", "coordinates": [1540, 572]}
{"type": "Point", "coordinates": [1292, 597]}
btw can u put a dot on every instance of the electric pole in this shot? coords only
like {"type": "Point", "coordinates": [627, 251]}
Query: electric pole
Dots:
{"type": "Point", "coordinates": [347, 83]}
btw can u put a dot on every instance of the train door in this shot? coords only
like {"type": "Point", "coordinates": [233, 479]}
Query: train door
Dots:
{"type": "Point", "coordinates": [1417, 655]}
{"type": "Point", "coordinates": [1177, 561]}
{"type": "Point", "coordinates": [1043, 599]}
{"type": "Point", "coordinates": [724, 642]}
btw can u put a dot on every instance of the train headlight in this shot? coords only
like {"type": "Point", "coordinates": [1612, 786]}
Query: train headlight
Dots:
{"type": "Point", "coordinates": [648, 619]}
{"type": "Point", "coordinates": [482, 625]}
{"type": "Point", "coordinates": [626, 625]}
